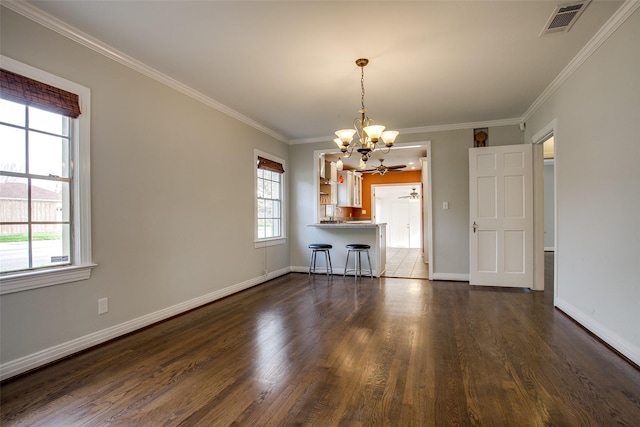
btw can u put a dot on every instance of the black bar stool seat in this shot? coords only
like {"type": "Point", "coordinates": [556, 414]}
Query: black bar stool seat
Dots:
{"type": "Point", "coordinates": [320, 247]}
{"type": "Point", "coordinates": [358, 248]}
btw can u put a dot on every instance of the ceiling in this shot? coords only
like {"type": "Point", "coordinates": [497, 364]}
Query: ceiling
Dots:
{"type": "Point", "coordinates": [289, 66]}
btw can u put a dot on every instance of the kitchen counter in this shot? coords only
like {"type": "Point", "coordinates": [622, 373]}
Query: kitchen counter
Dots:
{"type": "Point", "coordinates": [343, 233]}
{"type": "Point", "coordinates": [348, 224]}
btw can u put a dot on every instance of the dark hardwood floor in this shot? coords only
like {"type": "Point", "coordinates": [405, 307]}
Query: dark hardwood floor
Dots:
{"type": "Point", "coordinates": [388, 352]}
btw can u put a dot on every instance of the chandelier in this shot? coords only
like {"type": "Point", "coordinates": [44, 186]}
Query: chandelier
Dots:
{"type": "Point", "coordinates": [370, 137]}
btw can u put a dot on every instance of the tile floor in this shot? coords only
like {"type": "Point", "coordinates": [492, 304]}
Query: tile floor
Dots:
{"type": "Point", "coordinates": [406, 263]}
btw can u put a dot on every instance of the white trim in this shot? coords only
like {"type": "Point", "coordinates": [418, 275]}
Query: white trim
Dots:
{"type": "Point", "coordinates": [549, 248]}
{"type": "Point", "coordinates": [81, 269]}
{"type": "Point", "coordinates": [37, 359]}
{"type": "Point", "coordinates": [625, 347]}
{"type": "Point", "coordinates": [40, 279]}
{"type": "Point", "coordinates": [617, 19]}
{"type": "Point", "coordinates": [551, 129]}
{"type": "Point", "coordinates": [545, 133]}
{"type": "Point", "coordinates": [457, 277]}
{"type": "Point", "coordinates": [60, 27]}
{"type": "Point", "coordinates": [269, 241]}
{"type": "Point", "coordinates": [430, 210]}
{"type": "Point", "coordinates": [422, 129]}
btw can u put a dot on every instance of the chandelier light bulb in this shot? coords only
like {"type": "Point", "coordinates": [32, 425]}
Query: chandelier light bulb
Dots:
{"type": "Point", "coordinates": [389, 137]}
{"type": "Point", "coordinates": [345, 135]}
{"type": "Point", "coordinates": [374, 132]}
{"type": "Point", "coordinates": [339, 165]}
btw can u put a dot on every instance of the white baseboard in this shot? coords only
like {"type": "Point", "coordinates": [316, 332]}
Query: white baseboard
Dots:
{"type": "Point", "coordinates": [457, 277]}
{"type": "Point", "coordinates": [40, 358]}
{"type": "Point", "coordinates": [626, 348]}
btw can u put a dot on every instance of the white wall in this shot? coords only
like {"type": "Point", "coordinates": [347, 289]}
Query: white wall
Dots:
{"type": "Point", "coordinates": [597, 146]}
{"type": "Point", "coordinates": [450, 182]}
{"type": "Point", "coordinates": [164, 171]}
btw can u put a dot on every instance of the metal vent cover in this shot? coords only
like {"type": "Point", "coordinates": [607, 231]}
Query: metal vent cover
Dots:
{"type": "Point", "coordinates": [564, 16]}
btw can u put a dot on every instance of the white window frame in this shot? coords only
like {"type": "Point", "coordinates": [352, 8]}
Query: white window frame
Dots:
{"type": "Point", "coordinates": [268, 241]}
{"type": "Point", "coordinates": [81, 266]}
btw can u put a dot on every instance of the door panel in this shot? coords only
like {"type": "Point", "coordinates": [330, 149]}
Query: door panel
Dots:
{"type": "Point", "coordinates": [501, 216]}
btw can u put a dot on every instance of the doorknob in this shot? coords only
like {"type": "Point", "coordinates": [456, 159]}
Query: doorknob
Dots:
{"type": "Point", "coordinates": [475, 226]}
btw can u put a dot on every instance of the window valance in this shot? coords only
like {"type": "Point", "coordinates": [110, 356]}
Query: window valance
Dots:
{"type": "Point", "coordinates": [270, 165]}
{"type": "Point", "coordinates": [17, 88]}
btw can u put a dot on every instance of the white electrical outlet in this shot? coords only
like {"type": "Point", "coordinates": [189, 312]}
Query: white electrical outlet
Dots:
{"type": "Point", "coordinates": [364, 211]}
{"type": "Point", "coordinates": [103, 305]}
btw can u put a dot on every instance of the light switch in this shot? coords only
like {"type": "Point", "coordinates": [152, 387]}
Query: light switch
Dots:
{"type": "Point", "coordinates": [445, 205]}
{"type": "Point", "coordinates": [364, 211]}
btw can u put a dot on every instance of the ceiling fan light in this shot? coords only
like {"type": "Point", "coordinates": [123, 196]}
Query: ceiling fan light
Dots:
{"type": "Point", "coordinates": [389, 137]}
{"type": "Point", "coordinates": [374, 132]}
{"type": "Point", "coordinates": [345, 135]}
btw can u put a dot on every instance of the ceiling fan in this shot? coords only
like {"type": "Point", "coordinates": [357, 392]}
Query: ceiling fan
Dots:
{"type": "Point", "coordinates": [382, 169]}
{"type": "Point", "coordinates": [412, 196]}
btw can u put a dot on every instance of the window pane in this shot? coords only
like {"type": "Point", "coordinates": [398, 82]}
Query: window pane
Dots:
{"type": "Point", "coordinates": [48, 155]}
{"type": "Point", "coordinates": [12, 149]}
{"type": "Point", "coordinates": [267, 189]}
{"type": "Point", "coordinates": [14, 247]}
{"type": "Point", "coordinates": [51, 247]}
{"type": "Point", "coordinates": [49, 200]}
{"type": "Point", "coordinates": [13, 201]}
{"type": "Point", "coordinates": [13, 113]}
{"type": "Point", "coordinates": [260, 188]}
{"type": "Point", "coordinates": [48, 122]}
{"type": "Point", "coordinates": [275, 190]}
{"type": "Point", "coordinates": [276, 209]}
{"type": "Point", "coordinates": [268, 228]}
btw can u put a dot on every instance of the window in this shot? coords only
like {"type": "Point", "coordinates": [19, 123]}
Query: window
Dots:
{"type": "Point", "coordinates": [44, 179]}
{"type": "Point", "coordinates": [269, 197]}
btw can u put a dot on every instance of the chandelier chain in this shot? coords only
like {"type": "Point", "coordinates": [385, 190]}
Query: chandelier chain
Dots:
{"type": "Point", "coordinates": [362, 88]}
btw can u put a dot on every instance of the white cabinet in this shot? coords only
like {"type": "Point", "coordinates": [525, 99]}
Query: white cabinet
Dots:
{"type": "Point", "coordinates": [329, 184]}
{"type": "Point", "coordinates": [350, 189]}
{"type": "Point", "coordinates": [357, 190]}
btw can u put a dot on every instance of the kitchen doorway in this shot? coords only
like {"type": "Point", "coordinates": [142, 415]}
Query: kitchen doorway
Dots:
{"type": "Point", "coordinates": [400, 206]}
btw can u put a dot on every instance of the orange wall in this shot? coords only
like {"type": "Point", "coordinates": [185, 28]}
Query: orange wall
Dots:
{"type": "Point", "coordinates": [369, 179]}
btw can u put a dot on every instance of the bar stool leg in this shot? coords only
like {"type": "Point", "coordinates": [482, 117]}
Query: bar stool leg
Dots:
{"type": "Point", "coordinates": [326, 261]}
{"type": "Point", "coordinates": [330, 265]}
{"type": "Point", "coordinates": [369, 260]}
{"type": "Point", "coordinates": [346, 265]}
{"type": "Point", "coordinates": [312, 262]}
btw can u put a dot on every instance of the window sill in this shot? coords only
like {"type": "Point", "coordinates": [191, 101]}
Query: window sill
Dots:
{"type": "Point", "coordinates": [42, 278]}
{"type": "Point", "coordinates": [270, 242]}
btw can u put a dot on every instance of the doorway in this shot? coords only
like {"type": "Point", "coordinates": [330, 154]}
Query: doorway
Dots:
{"type": "Point", "coordinates": [400, 207]}
{"type": "Point", "coordinates": [545, 166]}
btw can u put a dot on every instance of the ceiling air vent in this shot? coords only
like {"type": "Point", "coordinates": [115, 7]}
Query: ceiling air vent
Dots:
{"type": "Point", "coordinates": [564, 16]}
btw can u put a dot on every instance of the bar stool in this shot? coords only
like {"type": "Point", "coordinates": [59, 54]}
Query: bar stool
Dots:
{"type": "Point", "coordinates": [358, 248]}
{"type": "Point", "coordinates": [320, 247]}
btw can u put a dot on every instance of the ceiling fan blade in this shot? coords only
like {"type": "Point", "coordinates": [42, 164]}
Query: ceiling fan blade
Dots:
{"type": "Point", "coordinates": [396, 167]}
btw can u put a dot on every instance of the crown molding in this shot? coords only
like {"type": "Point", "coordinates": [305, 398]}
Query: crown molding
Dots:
{"type": "Point", "coordinates": [617, 19]}
{"type": "Point", "coordinates": [423, 129]}
{"type": "Point", "coordinates": [33, 13]}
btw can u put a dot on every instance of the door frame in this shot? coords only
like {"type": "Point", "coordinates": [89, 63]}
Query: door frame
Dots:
{"type": "Point", "coordinates": [538, 200]}
{"type": "Point", "coordinates": [401, 184]}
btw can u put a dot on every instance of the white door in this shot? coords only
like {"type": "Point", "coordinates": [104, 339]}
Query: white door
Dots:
{"type": "Point", "coordinates": [501, 216]}
{"type": "Point", "coordinates": [398, 226]}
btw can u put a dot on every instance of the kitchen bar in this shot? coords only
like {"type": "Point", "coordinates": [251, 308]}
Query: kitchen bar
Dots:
{"type": "Point", "coordinates": [340, 234]}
